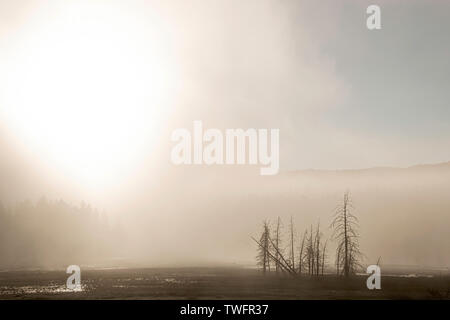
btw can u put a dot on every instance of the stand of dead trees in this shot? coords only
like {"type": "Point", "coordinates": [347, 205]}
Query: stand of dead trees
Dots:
{"type": "Point", "coordinates": [306, 258]}
{"type": "Point", "coordinates": [308, 255]}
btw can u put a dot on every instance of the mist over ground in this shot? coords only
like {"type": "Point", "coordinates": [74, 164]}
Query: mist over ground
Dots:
{"type": "Point", "coordinates": [403, 216]}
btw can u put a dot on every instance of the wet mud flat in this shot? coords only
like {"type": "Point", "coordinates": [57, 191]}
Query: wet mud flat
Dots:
{"type": "Point", "coordinates": [212, 283]}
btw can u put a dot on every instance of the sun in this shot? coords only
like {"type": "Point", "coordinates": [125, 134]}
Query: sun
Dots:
{"type": "Point", "coordinates": [87, 88]}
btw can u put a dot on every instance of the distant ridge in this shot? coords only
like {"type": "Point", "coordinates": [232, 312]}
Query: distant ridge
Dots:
{"type": "Point", "coordinates": [435, 166]}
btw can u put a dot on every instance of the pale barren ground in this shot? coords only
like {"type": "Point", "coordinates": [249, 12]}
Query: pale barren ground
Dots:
{"type": "Point", "coordinates": [212, 283]}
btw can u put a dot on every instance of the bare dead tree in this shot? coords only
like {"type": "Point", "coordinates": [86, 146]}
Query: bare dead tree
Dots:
{"type": "Point", "coordinates": [324, 250]}
{"type": "Point", "coordinates": [277, 244]}
{"type": "Point", "coordinates": [263, 258]}
{"type": "Point", "coordinates": [310, 252]}
{"type": "Point", "coordinates": [378, 261]}
{"type": "Point", "coordinates": [292, 253]}
{"type": "Point", "coordinates": [301, 258]}
{"type": "Point", "coordinates": [317, 249]}
{"type": "Point", "coordinates": [345, 231]}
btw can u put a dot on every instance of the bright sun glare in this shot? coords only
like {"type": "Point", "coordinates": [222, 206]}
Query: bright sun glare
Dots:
{"type": "Point", "coordinates": [88, 88]}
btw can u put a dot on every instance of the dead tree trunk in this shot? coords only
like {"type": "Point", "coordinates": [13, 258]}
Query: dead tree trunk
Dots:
{"type": "Point", "coordinates": [277, 243]}
{"type": "Point", "coordinates": [301, 258]}
{"type": "Point", "coordinates": [317, 249]}
{"type": "Point", "coordinates": [324, 249]}
{"type": "Point", "coordinates": [292, 256]}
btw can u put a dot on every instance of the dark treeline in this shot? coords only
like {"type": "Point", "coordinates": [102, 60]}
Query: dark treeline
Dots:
{"type": "Point", "coordinates": [283, 253]}
{"type": "Point", "coordinates": [50, 234]}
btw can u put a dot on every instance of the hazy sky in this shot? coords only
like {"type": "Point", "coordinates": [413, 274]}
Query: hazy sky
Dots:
{"type": "Point", "coordinates": [94, 88]}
